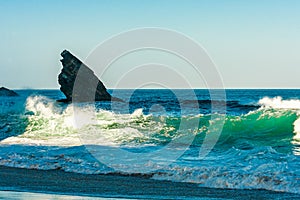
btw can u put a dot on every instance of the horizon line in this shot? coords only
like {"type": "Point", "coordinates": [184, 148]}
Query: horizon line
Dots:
{"type": "Point", "coordinates": [229, 88]}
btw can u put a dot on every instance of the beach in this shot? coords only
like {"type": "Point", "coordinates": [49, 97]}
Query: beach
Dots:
{"type": "Point", "coordinates": [118, 186]}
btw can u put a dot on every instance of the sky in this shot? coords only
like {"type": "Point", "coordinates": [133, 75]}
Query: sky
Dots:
{"type": "Point", "coordinates": [254, 44]}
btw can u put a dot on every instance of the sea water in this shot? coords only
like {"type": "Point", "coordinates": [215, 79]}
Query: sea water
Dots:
{"type": "Point", "coordinates": [160, 134]}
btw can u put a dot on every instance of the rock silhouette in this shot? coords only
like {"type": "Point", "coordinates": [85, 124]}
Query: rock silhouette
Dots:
{"type": "Point", "coordinates": [6, 92]}
{"type": "Point", "coordinates": [87, 86]}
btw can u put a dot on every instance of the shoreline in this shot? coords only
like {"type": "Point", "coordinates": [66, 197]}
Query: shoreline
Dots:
{"type": "Point", "coordinates": [117, 186]}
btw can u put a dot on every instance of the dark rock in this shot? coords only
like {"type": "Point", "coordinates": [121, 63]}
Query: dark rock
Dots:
{"type": "Point", "coordinates": [88, 86]}
{"type": "Point", "coordinates": [6, 92]}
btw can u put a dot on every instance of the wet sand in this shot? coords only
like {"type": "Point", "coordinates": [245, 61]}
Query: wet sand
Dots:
{"type": "Point", "coordinates": [60, 182]}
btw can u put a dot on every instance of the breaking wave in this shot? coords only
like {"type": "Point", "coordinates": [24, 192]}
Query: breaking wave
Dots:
{"type": "Point", "coordinates": [259, 149]}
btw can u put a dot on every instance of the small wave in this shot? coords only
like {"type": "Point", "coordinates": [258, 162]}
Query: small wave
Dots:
{"type": "Point", "coordinates": [239, 169]}
{"type": "Point", "coordinates": [70, 159]}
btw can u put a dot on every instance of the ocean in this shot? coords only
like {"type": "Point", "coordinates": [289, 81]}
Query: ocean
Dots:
{"type": "Point", "coordinates": [247, 139]}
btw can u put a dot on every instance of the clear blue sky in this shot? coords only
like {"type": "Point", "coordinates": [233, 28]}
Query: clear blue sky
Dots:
{"type": "Point", "coordinates": [255, 43]}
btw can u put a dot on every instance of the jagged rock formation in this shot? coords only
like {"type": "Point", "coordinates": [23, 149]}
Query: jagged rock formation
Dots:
{"type": "Point", "coordinates": [6, 92]}
{"type": "Point", "coordinates": [87, 82]}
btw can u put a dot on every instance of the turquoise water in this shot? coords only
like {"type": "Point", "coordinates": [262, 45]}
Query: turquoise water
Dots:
{"type": "Point", "coordinates": [248, 140]}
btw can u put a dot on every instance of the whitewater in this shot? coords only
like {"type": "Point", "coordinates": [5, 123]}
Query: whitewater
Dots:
{"type": "Point", "coordinates": [258, 148]}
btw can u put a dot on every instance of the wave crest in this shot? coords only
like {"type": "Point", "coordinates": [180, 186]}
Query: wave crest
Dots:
{"type": "Point", "coordinates": [279, 103]}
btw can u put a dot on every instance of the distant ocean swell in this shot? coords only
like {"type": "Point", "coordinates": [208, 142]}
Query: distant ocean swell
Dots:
{"type": "Point", "coordinates": [259, 149]}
